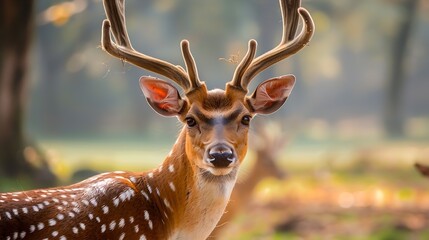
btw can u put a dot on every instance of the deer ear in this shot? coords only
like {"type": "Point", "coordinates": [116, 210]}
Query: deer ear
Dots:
{"type": "Point", "coordinates": [161, 96]}
{"type": "Point", "coordinates": [270, 95]}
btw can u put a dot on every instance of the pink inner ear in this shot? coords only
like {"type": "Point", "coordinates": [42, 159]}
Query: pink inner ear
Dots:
{"type": "Point", "coordinates": [163, 95]}
{"type": "Point", "coordinates": [271, 94]}
{"type": "Point", "coordinates": [275, 89]}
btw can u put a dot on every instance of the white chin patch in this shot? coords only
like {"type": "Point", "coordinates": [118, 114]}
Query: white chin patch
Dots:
{"type": "Point", "coordinates": [220, 171]}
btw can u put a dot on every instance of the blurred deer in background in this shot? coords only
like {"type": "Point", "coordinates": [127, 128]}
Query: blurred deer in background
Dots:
{"type": "Point", "coordinates": [186, 196]}
{"type": "Point", "coordinates": [422, 169]}
{"type": "Point", "coordinates": [267, 144]}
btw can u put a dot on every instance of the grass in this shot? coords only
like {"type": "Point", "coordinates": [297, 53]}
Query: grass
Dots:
{"type": "Point", "coordinates": [379, 188]}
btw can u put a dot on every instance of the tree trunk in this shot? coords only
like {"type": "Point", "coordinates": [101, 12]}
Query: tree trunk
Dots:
{"type": "Point", "coordinates": [393, 119]}
{"type": "Point", "coordinates": [16, 25]}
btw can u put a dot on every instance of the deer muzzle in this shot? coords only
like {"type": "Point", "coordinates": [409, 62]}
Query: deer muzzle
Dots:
{"type": "Point", "coordinates": [220, 156]}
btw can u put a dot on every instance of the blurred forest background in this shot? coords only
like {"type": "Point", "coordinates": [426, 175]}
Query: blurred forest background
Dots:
{"type": "Point", "coordinates": [356, 122]}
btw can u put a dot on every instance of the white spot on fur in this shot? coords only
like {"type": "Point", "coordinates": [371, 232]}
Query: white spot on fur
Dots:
{"type": "Point", "coordinates": [52, 222]}
{"type": "Point", "coordinates": [121, 223]}
{"type": "Point", "coordinates": [146, 215]}
{"type": "Point", "coordinates": [142, 237]}
{"type": "Point", "coordinates": [167, 204]}
{"type": "Point", "coordinates": [171, 168]}
{"type": "Point", "coordinates": [40, 226]}
{"type": "Point", "coordinates": [171, 184]}
{"type": "Point", "coordinates": [122, 236]}
{"type": "Point", "coordinates": [93, 202]}
{"type": "Point", "coordinates": [116, 201]}
{"type": "Point", "coordinates": [105, 209]}
{"type": "Point", "coordinates": [112, 225]}
{"type": "Point", "coordinates": [103, 228]}
{"type": "Point", "coordinates": [145, 195]}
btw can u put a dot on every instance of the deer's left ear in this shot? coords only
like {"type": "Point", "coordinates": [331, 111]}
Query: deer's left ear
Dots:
{"type": "Point", "coordinates": [270, 95]}
{"type": "Point", "coordinates": [161, 96]}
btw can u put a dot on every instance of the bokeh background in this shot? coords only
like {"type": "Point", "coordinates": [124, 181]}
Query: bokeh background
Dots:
{"type": "Point", "coordinates": [355, 124]}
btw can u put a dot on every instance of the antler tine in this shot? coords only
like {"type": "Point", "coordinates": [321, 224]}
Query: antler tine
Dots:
{"type": "Point", "coordinates": [191, 67]}
{"type": "Point", "coordinates": [289, 44]}
{"type": "Point", "coordinates": [116, 10]}
{"type": "Point", "coordinates": [244, 64]}
{"type": "Point", "coordinates": [115, 24]}
{"type": "Point", "coordinates": [290, 19]}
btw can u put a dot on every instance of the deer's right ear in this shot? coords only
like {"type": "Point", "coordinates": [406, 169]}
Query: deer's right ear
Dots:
{"type": "Point", "coordinates": [162, 96]}
{"type": "Point", "coordinates": [271, 94]}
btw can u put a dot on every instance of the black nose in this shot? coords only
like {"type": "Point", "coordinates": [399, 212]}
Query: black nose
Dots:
{"type": "Point", "coordinates": [221, 156]}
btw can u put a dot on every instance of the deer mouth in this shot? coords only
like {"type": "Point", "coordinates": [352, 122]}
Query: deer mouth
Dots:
{"type": "Point", "coordinates": [211, 174]}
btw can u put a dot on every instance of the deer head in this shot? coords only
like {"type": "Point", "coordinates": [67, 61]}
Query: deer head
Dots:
{"type": "Point", "coordinates": [217, 121]}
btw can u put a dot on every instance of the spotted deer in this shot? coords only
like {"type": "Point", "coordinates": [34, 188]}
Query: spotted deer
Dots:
{"type": "Point", "coordinates": [267, 146]}
{"type": "Point", "coordinates": [186, 195]}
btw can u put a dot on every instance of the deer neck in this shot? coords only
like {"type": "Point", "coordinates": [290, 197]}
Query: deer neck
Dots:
{"type": "Point", "coordinates": [196, 203]}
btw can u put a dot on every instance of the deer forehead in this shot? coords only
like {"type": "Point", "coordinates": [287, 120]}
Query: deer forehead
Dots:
{"type": "Point", "coordinates": [218, 116]}
{"type": "Point", "coordinates": [217, 106]}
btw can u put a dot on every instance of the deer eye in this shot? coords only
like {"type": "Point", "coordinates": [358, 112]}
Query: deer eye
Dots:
{"type": "Point", "coordinates": [245, 120]}
{"type": "Point", "coordinates": [190, 122]}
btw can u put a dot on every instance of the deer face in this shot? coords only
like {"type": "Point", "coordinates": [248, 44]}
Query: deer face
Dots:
{"type": "Point", "coordinates": [217, 121]}
{"type": "Point", "coordinates": [217, 133]}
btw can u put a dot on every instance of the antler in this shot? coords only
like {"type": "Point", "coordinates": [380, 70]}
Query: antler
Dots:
{"type": "Point", "coordinates": [115, 24]}
{"type": "Point", "coordinates": [289, 45]}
